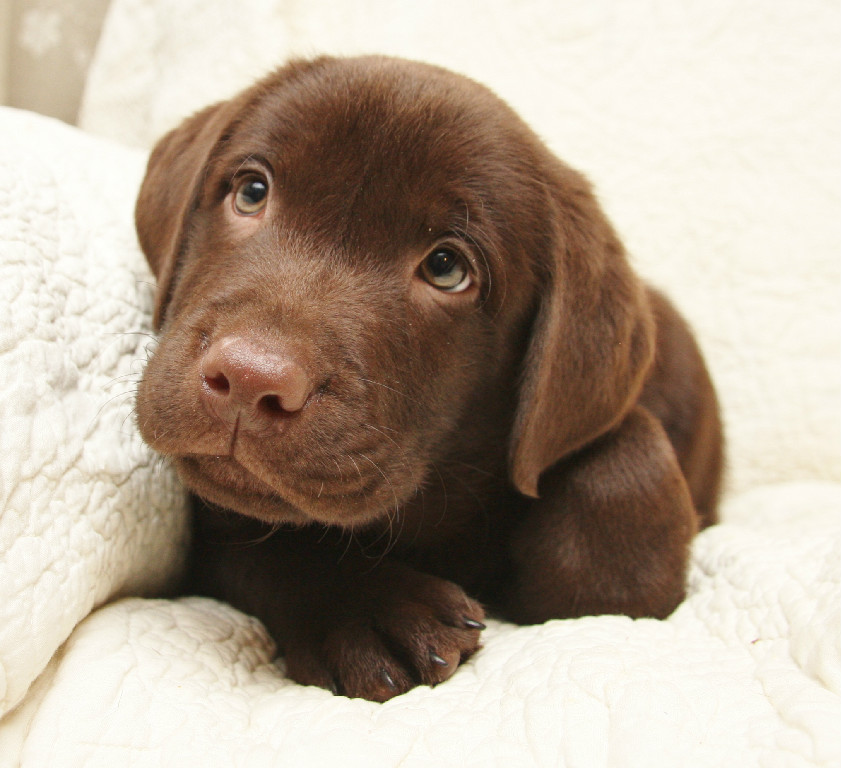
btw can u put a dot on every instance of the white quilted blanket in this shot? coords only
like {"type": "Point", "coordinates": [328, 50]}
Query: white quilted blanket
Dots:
{"type": "Point", "coordinates": [86, 512]}
{"type": "Point", "coordinates": [720, 166]}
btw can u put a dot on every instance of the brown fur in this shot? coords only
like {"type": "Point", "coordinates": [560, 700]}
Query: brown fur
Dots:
{"type": "Point", "coordinates": [370, 449]}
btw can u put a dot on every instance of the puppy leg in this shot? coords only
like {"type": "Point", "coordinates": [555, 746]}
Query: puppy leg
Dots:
{"type": "Point", "coordinates": [361, 627]}
{"type": "Point", "coordinates": [610, 533]}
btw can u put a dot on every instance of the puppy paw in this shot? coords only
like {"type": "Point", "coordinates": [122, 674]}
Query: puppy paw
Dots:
{"type": "Point", "coordinates": [395, 630]}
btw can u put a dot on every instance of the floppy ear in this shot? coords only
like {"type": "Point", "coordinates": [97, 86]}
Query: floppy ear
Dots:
{"type": "Point", "coordinates": [592, 340]}
{"type": "Point", "coordinates": [169, 192]}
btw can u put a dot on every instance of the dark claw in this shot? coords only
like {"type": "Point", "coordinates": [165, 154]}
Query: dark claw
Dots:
{"type": "Point", "coordinates": [436, 659]}
{"type": "Point", "coordinates": [473, 624]}
{"type": "Point", "coordinates": [388, 679]}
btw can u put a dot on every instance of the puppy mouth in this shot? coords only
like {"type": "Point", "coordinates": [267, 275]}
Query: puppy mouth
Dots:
{"type": "Point", "coordinates": [246, 488]}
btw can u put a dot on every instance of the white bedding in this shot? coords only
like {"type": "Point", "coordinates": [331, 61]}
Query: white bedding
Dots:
{"type": "Point", "coordinates": [746, 673]}
{"type": "Point", "coordinates": [86, 511]}
{"type": "Point", "coordinates": [736, 215]}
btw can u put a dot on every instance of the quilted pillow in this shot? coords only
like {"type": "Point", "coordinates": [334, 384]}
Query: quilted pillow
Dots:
{"type": "Point", "coordinates": [86, 511]}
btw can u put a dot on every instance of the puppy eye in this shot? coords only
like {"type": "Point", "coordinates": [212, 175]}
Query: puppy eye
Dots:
{"type": "Point", "coordinates": [446, 270]}
{"type": "Point", "coordinates": [251, 196]}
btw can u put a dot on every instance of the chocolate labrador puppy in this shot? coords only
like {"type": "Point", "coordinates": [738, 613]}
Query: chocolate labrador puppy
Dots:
{"type": "Point", "coordinates": [407, 370]}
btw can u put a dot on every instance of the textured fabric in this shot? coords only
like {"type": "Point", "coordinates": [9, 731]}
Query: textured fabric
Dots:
{"type": "Point", "coordinates": [746, 673]}
{"type": "Point", "coordinates": [86, 511]}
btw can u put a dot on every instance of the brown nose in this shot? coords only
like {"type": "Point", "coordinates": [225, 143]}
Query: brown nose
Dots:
{"type": "Point", "coordinates": [241, 380]}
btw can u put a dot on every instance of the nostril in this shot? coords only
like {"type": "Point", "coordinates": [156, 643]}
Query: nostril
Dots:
{"type": "Point", "coordinates": [271, 405]}
{"type": "Point", "coordinates": [218, 383]}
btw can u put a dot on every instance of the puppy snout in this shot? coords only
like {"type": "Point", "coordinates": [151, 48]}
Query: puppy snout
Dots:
{"type": "Point", "coordinates": [243, 381]}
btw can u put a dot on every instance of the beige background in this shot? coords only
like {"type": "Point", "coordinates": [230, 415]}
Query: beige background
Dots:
{"type": "Point", "coordinates": [45, 50]}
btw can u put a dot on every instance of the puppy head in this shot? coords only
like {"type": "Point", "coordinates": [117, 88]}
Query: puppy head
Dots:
{"type": "Point", "coordinates": [366, 268]}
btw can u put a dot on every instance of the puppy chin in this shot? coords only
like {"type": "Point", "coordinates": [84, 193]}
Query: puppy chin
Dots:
{"type": "Point", "coordinates": [210, 479]}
